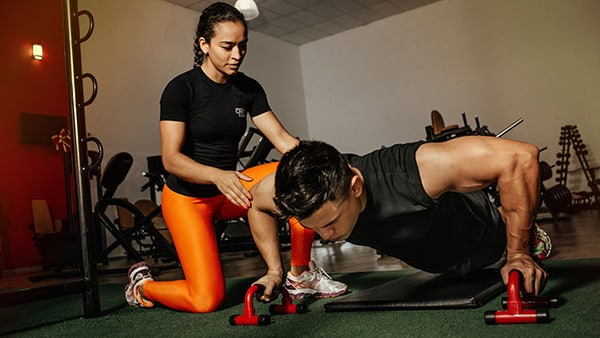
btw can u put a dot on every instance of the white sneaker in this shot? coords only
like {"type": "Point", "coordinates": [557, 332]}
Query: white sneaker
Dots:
{"type": "Point", "coordinates": [315, 282]}
{"type": "Point", "coordinates": [542, 245]}
{"type": "Point", "coordinates": [139, 273]}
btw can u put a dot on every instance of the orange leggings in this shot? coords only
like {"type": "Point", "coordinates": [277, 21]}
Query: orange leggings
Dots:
{"type": "Point", "coordinates": [190, 223]}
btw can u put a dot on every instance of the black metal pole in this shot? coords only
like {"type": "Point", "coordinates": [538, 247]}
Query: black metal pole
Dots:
{"type": "Point", "coordinates": [79, 159]}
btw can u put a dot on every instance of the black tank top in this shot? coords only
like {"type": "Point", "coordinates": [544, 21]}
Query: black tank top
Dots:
{"type": "Point", "coordinates": [402, 221]}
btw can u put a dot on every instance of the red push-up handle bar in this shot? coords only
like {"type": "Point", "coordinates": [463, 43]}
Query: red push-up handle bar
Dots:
{"type": "Point", "coordinates": [286, 306]}
{"type": "Point", "coordinates": [515, 312]}
{"type": "Point", "coordinates": [250, 318]}
{"type": "Point", "coordinates": [535, 302]}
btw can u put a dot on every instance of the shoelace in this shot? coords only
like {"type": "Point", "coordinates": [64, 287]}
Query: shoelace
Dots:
{"type": "Point", "coordinates": [319, 272]}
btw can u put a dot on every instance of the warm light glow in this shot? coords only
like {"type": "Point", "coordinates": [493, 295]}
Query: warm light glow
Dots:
{"type": "Point", "coordinates": [38, 52]}
{"type": "Point", "coordinates": [248, 8]}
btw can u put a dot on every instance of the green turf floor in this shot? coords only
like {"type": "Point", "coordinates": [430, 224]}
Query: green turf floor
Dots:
{"type": "Point", "coordinates": [576, 282]}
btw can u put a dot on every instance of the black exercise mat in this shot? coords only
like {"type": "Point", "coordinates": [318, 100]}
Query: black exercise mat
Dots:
{"type": "Point", "coordinates": [424, 290]}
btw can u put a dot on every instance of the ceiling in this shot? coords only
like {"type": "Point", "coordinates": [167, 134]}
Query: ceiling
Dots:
{"type": "Point", "coordinates": [302, 21]}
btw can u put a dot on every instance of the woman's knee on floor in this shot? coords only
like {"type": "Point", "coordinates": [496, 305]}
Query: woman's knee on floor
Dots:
{"type": "Point", "coordinates": [206, 302]}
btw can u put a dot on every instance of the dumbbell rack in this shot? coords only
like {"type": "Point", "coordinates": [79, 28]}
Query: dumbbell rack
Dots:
{"type": "Point", "coordinates": [570, 137]}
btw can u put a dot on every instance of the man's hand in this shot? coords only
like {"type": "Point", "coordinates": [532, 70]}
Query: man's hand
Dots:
{"type": "Point", "coordinates": [272, 282]}
{"type": "Point", "coordinates": [534, 277]}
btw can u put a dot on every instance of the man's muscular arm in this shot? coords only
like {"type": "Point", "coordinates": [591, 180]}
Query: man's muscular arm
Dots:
{"type": "Point", "coordinates": [263, 225]}
{"type": "Point", "coordinates": [474, 162]}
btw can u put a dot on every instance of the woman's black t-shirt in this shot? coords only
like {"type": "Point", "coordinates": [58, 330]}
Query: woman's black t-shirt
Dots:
{"type": "Point", "coordinates": [215, 118]}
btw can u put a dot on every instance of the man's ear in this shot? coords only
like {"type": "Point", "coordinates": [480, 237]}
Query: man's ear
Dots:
{"type": "Point", "coordinates": [356, 185]}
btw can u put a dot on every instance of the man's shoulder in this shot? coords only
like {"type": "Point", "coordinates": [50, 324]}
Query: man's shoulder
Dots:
{"type": "Point", "coordinates": [263, 193]}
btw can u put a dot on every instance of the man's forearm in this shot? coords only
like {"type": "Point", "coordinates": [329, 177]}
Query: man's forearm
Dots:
{"type": "Point", "coordinates": [264, 231]}
{"type": "Point", "coordinates": [518, 233]}
{"type": "Point", "coordinates": [519, 195]}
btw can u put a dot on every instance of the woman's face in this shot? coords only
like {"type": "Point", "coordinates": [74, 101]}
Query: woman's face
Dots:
{"type": "Point", "coordinates": [225, 52]}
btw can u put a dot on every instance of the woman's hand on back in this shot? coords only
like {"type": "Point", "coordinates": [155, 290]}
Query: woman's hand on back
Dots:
{"type": "Point", "coordinates": [228, 183]}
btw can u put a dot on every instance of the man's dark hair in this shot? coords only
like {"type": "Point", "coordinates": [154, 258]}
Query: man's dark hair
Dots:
{"type": "Point", "coordinates": [309, 175]}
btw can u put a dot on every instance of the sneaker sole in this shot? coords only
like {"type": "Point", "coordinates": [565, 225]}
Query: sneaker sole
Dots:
{"type": "Point", "coordinates": [330, 295]}
{"type": "Point", "coordinates": [298, 294]}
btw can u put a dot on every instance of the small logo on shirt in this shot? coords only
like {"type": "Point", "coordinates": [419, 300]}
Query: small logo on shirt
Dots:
{"type": "Point", "coordinates": [240, 112]}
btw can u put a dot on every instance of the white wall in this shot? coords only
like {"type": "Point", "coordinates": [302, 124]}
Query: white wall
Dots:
{"type": "Point", "coordinates": [500, 59]}
{"type": "Point", "coordinates": [139, 45]}
{"type": "Point", "coordinates": [371, 86]}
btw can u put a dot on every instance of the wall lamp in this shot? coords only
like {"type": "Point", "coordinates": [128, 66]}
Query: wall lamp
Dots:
{"type": "Point", "coordinates": [37, 51]}
{"type": "Point", "coordinates": [248, 8]}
